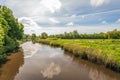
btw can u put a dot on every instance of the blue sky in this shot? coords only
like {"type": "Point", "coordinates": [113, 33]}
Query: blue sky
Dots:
{"type": "Point", "coordinates": [57, 16]}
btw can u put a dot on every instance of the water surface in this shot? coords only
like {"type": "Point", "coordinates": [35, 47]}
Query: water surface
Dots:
{"type": "Point", "coordinates": [42, 62]}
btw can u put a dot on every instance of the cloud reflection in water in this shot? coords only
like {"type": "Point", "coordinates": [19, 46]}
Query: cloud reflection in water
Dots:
{"type": "Point", "coordinates": [52, 70]}
{"type": "Point", "coordinates": [30, 49]}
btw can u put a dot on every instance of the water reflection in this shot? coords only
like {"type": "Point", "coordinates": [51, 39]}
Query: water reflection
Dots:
{"type": "Point", "coordinates": [95, 72]}
{"type": "Point", "coordinates": [11, 68]}
{"type": "Point", "coordinates": [42, 62]}
{"type": "Point", "coordinates": [98, 75]}
{"type": "Point", "coordinates": [52, 70]}
{"type": "Point", "coordinates": [30, 49]}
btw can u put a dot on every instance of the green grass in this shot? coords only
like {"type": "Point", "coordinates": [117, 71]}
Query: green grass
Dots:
{"type": "Point", "coordinates": [105, 52]}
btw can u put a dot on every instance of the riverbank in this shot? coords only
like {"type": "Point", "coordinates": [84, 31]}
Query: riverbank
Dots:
{"type": "Point", "coordinates": [103, 52]}
{"type": "Point", "coordinates": [11, 67]}
{"type": "Point", "coordinates": [4, 57]}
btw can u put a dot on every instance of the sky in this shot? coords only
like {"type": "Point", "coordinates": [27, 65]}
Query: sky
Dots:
{"type": "Point", "coordinates": [58, 16]}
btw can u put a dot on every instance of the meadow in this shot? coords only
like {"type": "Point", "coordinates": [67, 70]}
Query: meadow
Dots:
{"type": "Point", "coordinates": [105, 52]}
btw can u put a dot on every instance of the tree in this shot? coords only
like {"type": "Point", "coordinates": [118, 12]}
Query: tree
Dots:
{"type": "Point", "coordinates": [10, 31]}
{"type": "Point", "coordinates": [114, 34]}
{"type": "Point", "coordinates": [44, 35]}
{"type": "Point", "coordinates": [15, 28]}
{"type": "Point", "coordinates": [75, 34]}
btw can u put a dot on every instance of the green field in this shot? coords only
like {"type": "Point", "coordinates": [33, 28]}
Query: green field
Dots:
{"type": "Point", "coordinates": [102, 51]}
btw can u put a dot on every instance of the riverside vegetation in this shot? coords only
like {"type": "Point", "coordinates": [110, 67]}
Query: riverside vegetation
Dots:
{"type": "Point", "coordinates": [11, 31]}
{"type": "Point", "coordinates": [101, 48]}
{"type": "Point", "coordinates": [104, 52]}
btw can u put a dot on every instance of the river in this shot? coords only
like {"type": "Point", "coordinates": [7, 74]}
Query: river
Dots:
{"type": "Point", "coordinates": [42, 62]}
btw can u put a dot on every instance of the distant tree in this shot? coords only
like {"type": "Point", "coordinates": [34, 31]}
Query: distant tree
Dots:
{"type": "Point", "coordinates": [114, 34]}
{"type": "Point", "coordinates": [44, 35]}
{"type": "Point", "coordinates": [26, 37]}
{"type": "Point", "coordinates": [75, 34]}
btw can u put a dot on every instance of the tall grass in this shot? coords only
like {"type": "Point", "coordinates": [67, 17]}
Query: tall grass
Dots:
{"type": "Point", "coordinates": [104, 52]}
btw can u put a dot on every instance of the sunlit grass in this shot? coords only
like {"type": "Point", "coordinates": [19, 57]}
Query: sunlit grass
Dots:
{"type": "Point", "coordinates": [102, 51]}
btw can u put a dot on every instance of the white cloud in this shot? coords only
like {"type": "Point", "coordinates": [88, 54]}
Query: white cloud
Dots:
{"type": "Point", "coordinates": [28, 22]}
{"type": "Point", "coordinates": [30, 26]}
{"type": "Point", "coordinates": [83, 16]}
{"type": "Point", "coordinates": [118, 21]}
{"type": "Point", "coordinates": [54, 20]}
{"type": "Point", "coordinates": [80, 29]}
{"type": "Point", "coordinates": [97, 3]}
{"type": "Point", "coordinates": [44, 7]}
{"type": "Point", "coordinates": [42, 13]}
{"type": "Point", "coordinates": [51, 5]}
{"type": "Point", "coordinates": [104, 22]}
{"type": "Point", "coordinates": [70, 24]}
{"type": "Point", "coordinates": [73, 16]}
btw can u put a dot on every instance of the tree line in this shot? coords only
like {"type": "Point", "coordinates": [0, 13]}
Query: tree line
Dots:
{"type": "Point", "coordinates": [10, 31]}
{"type": "Point", "coordinates": [114, 34]}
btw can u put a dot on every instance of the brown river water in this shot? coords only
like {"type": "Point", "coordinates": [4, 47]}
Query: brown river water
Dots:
{"type": "Point", "coordinates": [42, 62]}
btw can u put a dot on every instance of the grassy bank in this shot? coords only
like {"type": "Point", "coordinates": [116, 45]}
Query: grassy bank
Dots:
{"type": "Point", "coordinates": [103, 52]}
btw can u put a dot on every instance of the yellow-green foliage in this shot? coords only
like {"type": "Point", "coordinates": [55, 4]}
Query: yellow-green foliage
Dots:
{"type": "Point", "coordinates": [1, 39]}
{"type": "Point", "coordinates": [103, 51]}
{"type": "Point", "coordinates": [10, 31]}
